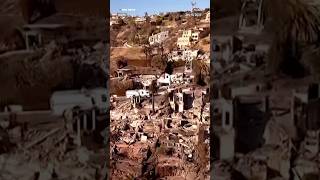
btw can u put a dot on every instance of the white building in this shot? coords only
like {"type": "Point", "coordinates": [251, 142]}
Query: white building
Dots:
{"type": "Point", "coordinates": [190, 54]}
{"type": "Point", "coordinates": [207, 17]}
{"type": "Point", "coordinates": [165, 79]}
{"type": "Point", "coordinates": [183, 42]}
{"type": "Point", "coordinates": [179, 102]}
{"type": "Point", "coordinates": [185, 55]}
{"type": "Point", "coordinates": [187, 37]}
{"type": "Point", "coordinates": [186, 33]}
{"type": "Point", "coordinates": [140, 20]}
{"type": "Point", "coordinates": [137, 93]}
{"type": "Point", "coordinates": [114, 16]}
{"type": "Point", "coordinates": [146, 80]}
{"type": "Point", "coordinates": [175, 56]}
{"type": "Point", "coordinates": [112, 22]}
{"type": "Point", "coordinates": [177, 78]}
{"type": "Point", "coordinates": [195, 35]}
{"type": "Point", "coordinates": [61, 101]}
{"type": "Point", "coordinates": [225, 132]}
{"type": "Point", "coordinates": [197, 12]}
{"type": "Point", "coordinates": [158, 38]}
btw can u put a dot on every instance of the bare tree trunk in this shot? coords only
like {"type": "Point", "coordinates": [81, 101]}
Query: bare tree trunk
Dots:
{"type": "Point", "coordinates": [153, 103]}
{"type": "Point", "coordinates": [162, 50]}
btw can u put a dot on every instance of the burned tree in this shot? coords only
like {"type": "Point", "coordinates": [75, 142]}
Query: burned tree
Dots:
{"type": "Point", "coordinates": [147, 50]}
{"type": "Point", "coordinates": [153, 90]}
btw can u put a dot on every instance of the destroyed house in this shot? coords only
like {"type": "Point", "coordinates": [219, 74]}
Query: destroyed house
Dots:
{"type": "Point", "coordinates": [185, 55]}
{"type": "Point", "coordinates": [221, 170]}
{"type": "Point", "coordinates": [151, 129]}
{"type": "Point", "coordinates": [251, 113]}
{"type": "Point", "coordinates": [190, 54]}
{"type": "Point", "coordinates": [170, 143]}
{"type": "Point", "coordinates": [224, 46]}
{"type": "Point", "coordinates": [145, 80]}
{"type": "Point", "coordinates": [224, 141]}
{"type": "Point", "coordinates": [313, 115]}
{"type": "Point", "coordinates": [131, 70]}
{"type": "Point", "coordinates": [223, 113]}
{"type": "Point", "coordinates": [206, 114]}
{"type": "Point", "coordinates": [175, 56]}
{"type": "Point", "coordinates": [181, 101]}
{"type": "Point", "coordinates": [183, 42]}
{"type": "Point", "coordinates": [165, 80]}
{"type": "Point", "coordinates": [37, 35]}
{"type": "Point", "coordinates": [188, 98]}
{"type": "Point", "coordinates": [305, 109]}
{"type": "Point", "coordinates": [224, 133]}
{"type": "Point", "coordinates": [64, 28]}
{"type": "Point", "coordinates": [169, 166]}
{"type": "Point", "coordinates": [124, 71]}
{"type": "Point", "coordinates": [251, 18]}
{"type": "Point", "coordinates": [178, 102]}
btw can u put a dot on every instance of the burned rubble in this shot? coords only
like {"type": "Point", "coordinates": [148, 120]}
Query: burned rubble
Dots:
{"type": "Point", "coordinates": [265, 125]}
{"type": "Point", "coordinates": [53, 123]}
{"type": "Point", "coordinates": [160, 125]}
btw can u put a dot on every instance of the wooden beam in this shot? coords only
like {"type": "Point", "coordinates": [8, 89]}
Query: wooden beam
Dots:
{"type": "Point", "coordinates": [41, 138]}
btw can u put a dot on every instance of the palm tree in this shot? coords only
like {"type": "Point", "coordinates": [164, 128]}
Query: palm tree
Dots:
{"type": "Point", "coordinates": [297, 26]}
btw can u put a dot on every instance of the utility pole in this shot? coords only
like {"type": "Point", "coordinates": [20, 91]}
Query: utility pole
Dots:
{"type": "Point", "coordinates": [193, 4]}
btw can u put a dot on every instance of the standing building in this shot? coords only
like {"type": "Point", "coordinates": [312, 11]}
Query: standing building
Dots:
{"type": "Point", "coordinates": [158, 38]}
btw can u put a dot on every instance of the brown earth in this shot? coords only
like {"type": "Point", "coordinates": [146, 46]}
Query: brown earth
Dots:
{"type": "Point", "coordinates": [131, 53]}
{"type": "Point", "coordinates": [134, 56]}
{"type": "Point", "coordinates": [119, 87]}
{"type": "Point", "coordinates": [204, 44]}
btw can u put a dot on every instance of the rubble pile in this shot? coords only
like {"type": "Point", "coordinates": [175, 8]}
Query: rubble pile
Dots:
{"type": "Point", "coordinates": [46, 150]}
{"type": "Point", "coordinates": [262, 129]}
{"type": "Point", "coordinates": [160, 125]}
{"type": "Point", "coordinates": [159, 131]}
{"type": "Point", "coordinates": [36, 143]}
